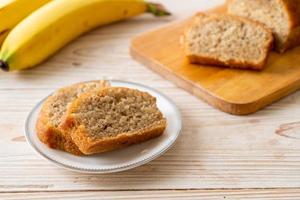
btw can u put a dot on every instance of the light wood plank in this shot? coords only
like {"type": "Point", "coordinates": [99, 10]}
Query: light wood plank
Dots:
{"type": "Point", "coordinates": [262, 194]}
{"type": "Point", "coordinates": [215, 150]}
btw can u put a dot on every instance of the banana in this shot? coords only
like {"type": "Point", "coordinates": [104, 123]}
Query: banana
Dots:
{"type": "Point", "coordinates": [13, 11]}
{"type": "Point", "coordinates": [57, 23]}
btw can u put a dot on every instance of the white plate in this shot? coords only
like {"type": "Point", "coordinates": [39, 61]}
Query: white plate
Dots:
{"type": "Point", "coordinates": [118, 160]}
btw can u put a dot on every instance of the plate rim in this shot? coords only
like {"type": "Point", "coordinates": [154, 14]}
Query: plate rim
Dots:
{"type": "Point", "coordinates": [113, 169]}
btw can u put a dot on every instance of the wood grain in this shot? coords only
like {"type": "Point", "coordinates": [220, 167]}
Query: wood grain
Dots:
{"type": "Point", "coordinates": [216, 155]}
{"type": "Point", "coordinates": [230, 90]}
{"type": "Point", "coordinates": [261, 194]}
{"type": "Point", "coordinates": [215, 150]}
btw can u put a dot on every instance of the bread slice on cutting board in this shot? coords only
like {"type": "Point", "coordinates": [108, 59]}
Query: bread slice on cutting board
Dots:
{"type": "Point", "coordinates": [282, 16]}
{"type": "Point", "coordinates": [112, 118]}
{"type": "Point", "coordinates": [225, 40]}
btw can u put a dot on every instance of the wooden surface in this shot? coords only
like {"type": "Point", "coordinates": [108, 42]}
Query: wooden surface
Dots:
{"type": "Point", "coordinates": [230, 90]}
{"type": "Point", "coordinates": [218, 156]}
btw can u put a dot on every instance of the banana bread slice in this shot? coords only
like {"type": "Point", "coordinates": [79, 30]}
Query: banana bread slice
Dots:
{"type": "Point", "coordinates": [48, 125]}
{"type": "Point", "coordinates": [227, 41]}
{"type": "Point", "coordinates": [112, 118]}
{"type": "Point", "coordinates": [282, 16]}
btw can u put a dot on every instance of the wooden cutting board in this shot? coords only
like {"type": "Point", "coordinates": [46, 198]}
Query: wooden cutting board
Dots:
{"type": "Point", "coordinates": [230, 90]}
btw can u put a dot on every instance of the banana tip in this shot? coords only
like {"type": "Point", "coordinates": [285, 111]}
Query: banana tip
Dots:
{"type": "Point", "coordinates": [4, 65]}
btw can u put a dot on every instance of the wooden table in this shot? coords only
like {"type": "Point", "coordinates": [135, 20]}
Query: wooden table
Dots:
{"type": "Point", "coordinates": [217, 156]}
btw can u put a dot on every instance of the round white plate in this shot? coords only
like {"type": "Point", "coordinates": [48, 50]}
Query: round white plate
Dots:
{"type": "Point", "coordinates": [118, 160]}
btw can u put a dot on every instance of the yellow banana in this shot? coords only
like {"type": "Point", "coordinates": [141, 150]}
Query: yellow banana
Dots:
{"type": "Point", "coordinates": [13, 11]}
{"type": "Point", "coordinates": [57, 23]}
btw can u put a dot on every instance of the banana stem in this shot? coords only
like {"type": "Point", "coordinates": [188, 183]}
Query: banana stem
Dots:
{"type": "Point", "coordinates": [157, 9]}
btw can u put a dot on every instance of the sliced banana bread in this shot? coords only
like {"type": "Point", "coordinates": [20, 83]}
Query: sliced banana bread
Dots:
{"type": "Point", "coordinates": [227, 41]}
{"type": "Point", "coordinates": [112, 118]}
{"type": "Point", "coordinates": [48, 126]}
{"type": "Point", "coordinates": [282, 16]}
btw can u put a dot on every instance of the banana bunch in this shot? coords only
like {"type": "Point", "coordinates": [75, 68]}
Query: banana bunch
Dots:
{"type": "Point", "coordinates": [52, 26]}
{"type": "Point", "coordinates": [13, 11]}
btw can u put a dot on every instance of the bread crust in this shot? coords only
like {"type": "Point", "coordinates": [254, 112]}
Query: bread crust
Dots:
{"type": "Point", "coordinates": [292, 8]}
{"type": "Point", "coordinates": [56, 137]}
{"type": "Point", "coordinates": [210, 60]}
{"type": "Point", "coordinates": [196, 59]}
{"type": "Point", "coordinates": [89, 145]}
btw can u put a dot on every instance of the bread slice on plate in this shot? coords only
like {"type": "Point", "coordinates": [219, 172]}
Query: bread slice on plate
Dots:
{"type": "Point", "coordinates": [225, 40]}
{"type": "Point", "coordinates": [282, 16]}
{"type": "Point", "coordinates": [112, 118]}
{"type": "Point", "coordinates": [53, 111]}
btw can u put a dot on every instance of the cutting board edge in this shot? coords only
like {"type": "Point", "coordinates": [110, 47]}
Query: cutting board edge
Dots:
{"type": "Point", "coordinates": [223, 105]}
